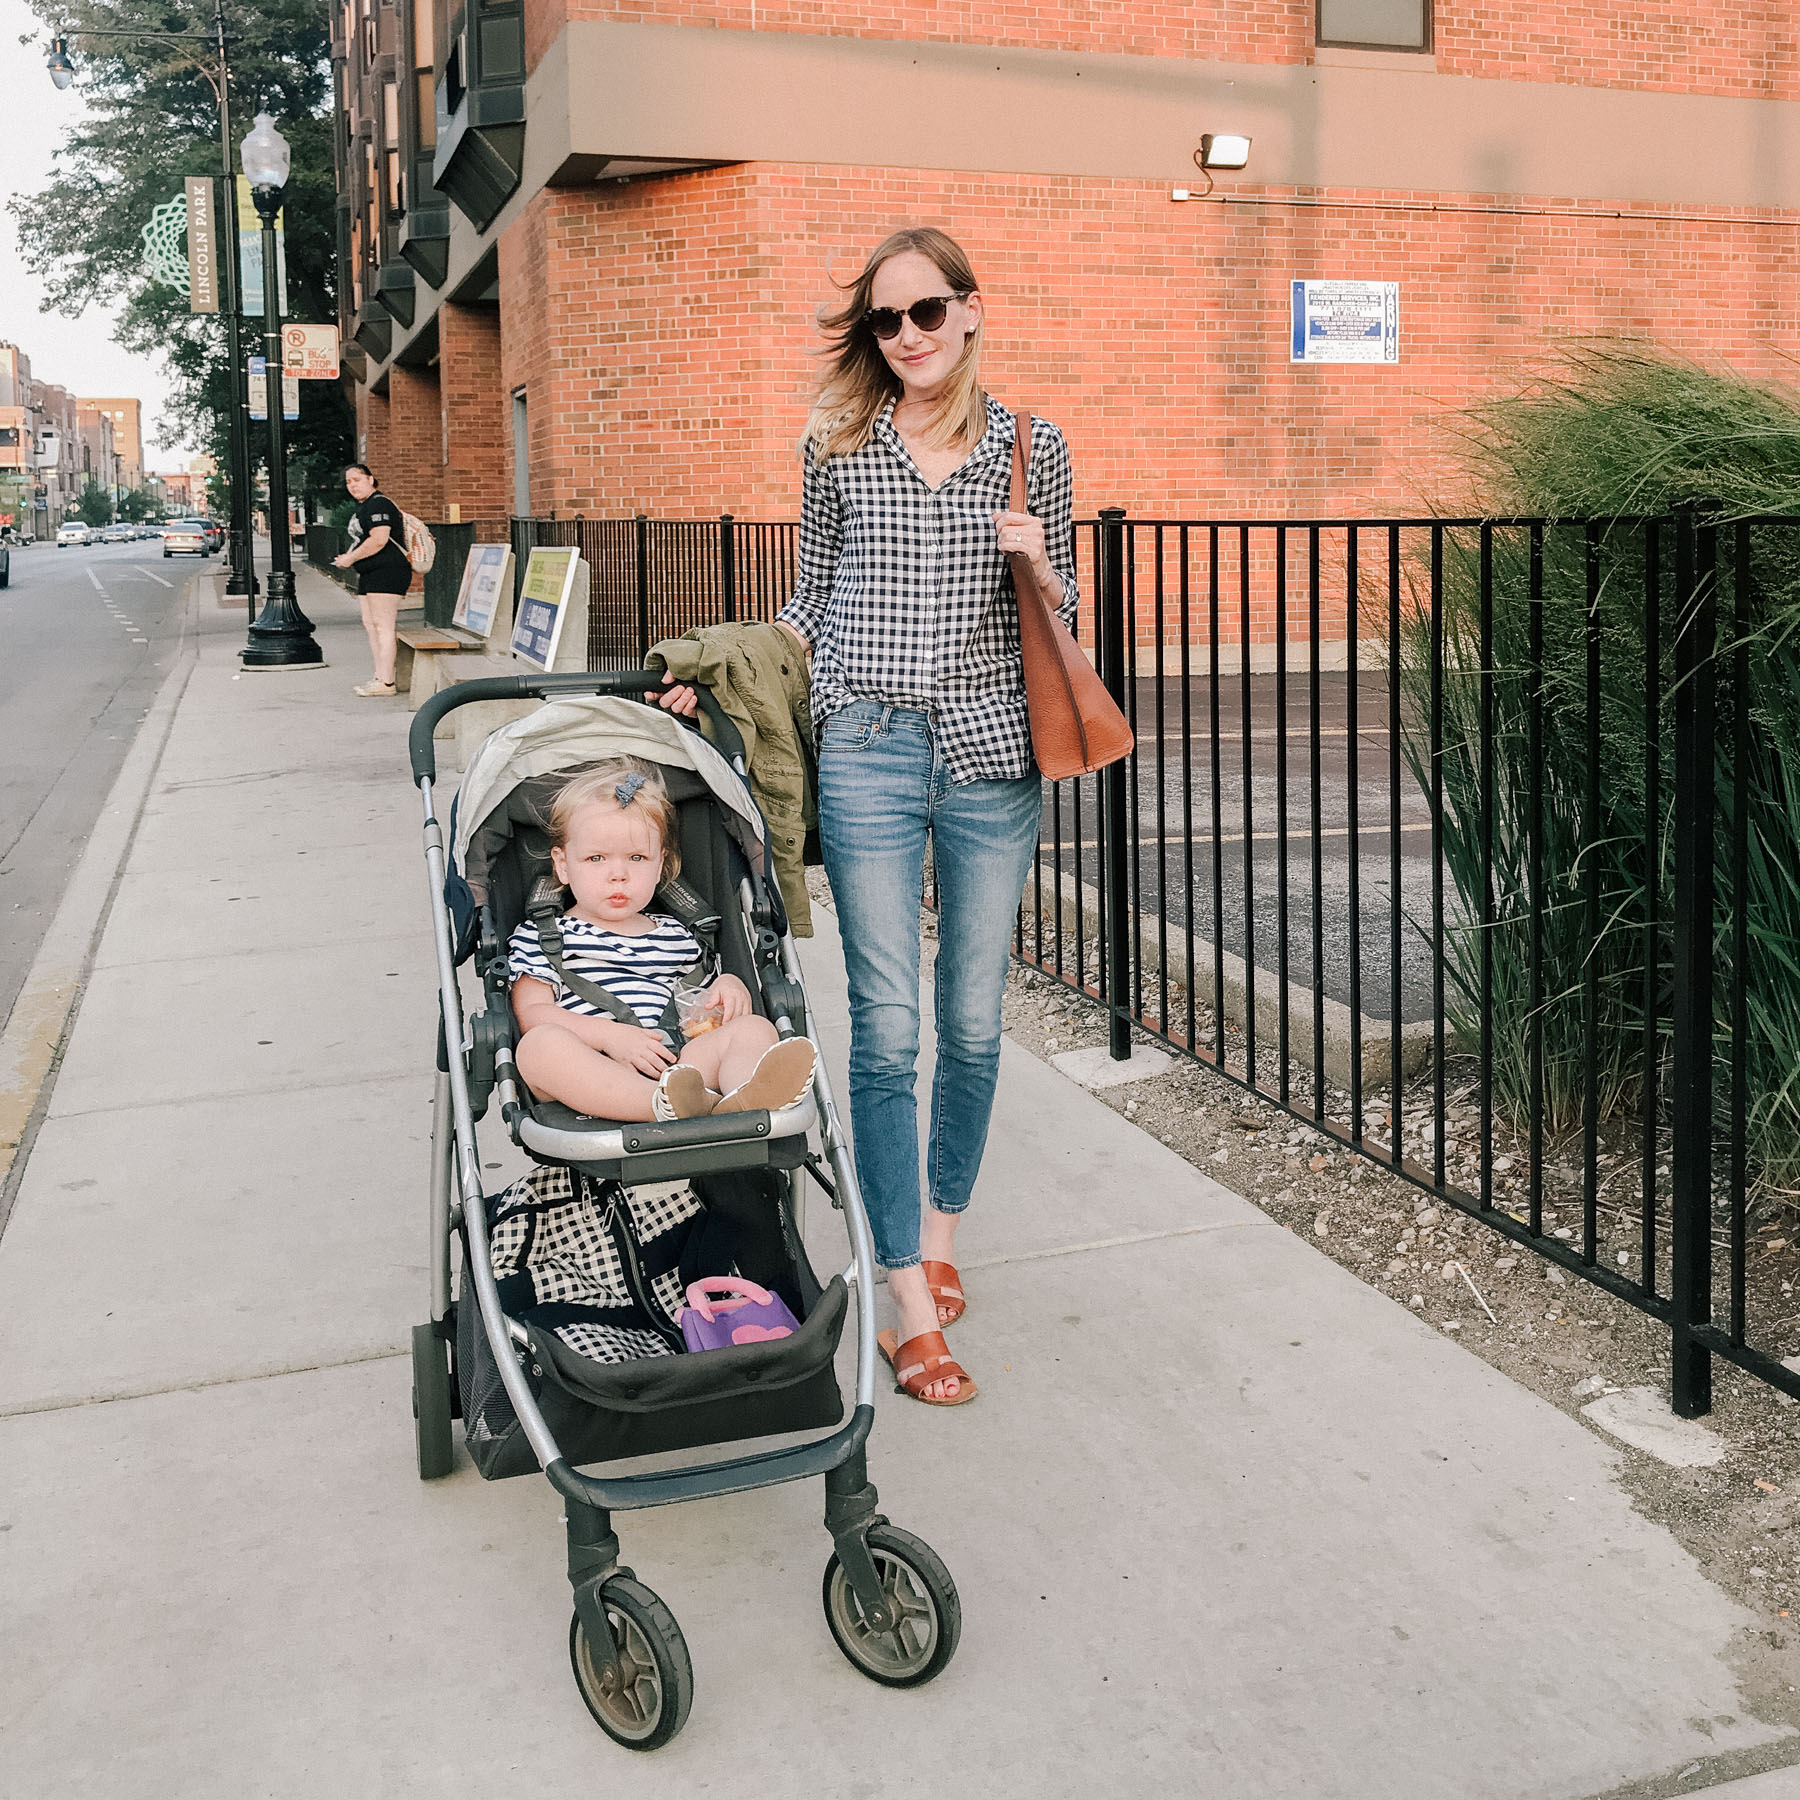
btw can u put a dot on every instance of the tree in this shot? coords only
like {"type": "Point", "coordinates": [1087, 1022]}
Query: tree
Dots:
{"type": "Point", "coordinates": [138, 504]}
{"type": "Point", "coordinates": [153, 119]}
{"type": "Point", "coordinates": [95, 506]}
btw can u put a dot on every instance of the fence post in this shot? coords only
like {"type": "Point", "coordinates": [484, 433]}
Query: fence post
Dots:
{"type": "Point", "coordinates": [1690, 1242]}
{"type": "Point", "coordinates": [1115, 848]}
{"type": "Point", "coordinates": [641, 528]}
{"type": "Point", "coordinates": [727, 567]}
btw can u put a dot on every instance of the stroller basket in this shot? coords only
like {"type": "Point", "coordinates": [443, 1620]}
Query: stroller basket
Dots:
{"type": "Point", "coordinates": [527, 1399]}
{"type": "Point", "coordinates": [604, 1412]}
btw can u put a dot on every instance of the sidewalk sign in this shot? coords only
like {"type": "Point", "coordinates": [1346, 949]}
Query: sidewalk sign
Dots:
{"type": "Point", "coordinates": [1345, 322]}
{"type": "Point", "coordinates": [259, 391]}
{"type": "Point", "coordinates": [310, 351]}
{"type": "Point", "coordinates": [544, 605]}
{"type": "Point", "coordinates": [486, 576]}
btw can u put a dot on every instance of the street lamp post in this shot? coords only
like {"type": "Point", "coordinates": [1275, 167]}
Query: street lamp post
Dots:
{"type": "Point", "coordinates": [242, 577]}
{"type": "Point", "coordinates": [282, 635]}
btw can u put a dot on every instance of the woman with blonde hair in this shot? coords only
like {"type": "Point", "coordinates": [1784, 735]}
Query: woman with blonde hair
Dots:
{"type": "Point", "coordinates": [906, 601]}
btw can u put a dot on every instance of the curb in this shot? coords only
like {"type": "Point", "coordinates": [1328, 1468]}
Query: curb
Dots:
{"type": "Point", "coordinates": [37, 1027]}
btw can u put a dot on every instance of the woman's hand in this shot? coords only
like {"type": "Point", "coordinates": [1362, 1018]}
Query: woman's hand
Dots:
{"type": "Point", "coordinates": [342, 562]}
{"type": "Point", "coordinates": [733, 998]}
{"type": "Point", "coordinates": [677, 697]}
{"type": "Point", "coordinates": [1021, 533]}
{"type": "Point", "coordinates": [638, 1049]}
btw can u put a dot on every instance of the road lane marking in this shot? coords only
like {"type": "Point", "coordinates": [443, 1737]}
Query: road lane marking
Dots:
{"type": "Point", "coordinates": [149, 574]}
{"type": "Point", "coordinates": [95, 579]}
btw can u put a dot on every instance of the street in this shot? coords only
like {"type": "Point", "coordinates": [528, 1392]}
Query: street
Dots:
{"type": "Point", "coordinates": [88, 635]}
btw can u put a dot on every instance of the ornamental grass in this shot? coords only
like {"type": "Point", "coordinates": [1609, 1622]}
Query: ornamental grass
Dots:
{"type": "Point", "coordinates": [1612, 438]}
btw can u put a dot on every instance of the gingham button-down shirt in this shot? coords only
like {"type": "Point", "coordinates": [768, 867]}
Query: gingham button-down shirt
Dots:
{"type": "Point", "coordinates": [906, 597]}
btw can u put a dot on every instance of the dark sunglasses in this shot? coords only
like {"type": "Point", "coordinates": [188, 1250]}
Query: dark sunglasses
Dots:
{"type": "Point", "coordinates": [928, 315]}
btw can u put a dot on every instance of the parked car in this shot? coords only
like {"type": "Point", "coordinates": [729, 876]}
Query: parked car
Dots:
{"type": "Point", "coordinates": [187, 537]}
{"type": "Point", "coordinates": [73, 534]}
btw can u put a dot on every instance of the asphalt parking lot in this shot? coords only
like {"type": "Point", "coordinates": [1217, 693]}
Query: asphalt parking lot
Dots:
{"type": "Point", "coordinates": [1193, 864]}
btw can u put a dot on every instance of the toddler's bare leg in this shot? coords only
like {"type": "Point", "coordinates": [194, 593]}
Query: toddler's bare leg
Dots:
{"type": "Point", "coordinates": [559, 1066]}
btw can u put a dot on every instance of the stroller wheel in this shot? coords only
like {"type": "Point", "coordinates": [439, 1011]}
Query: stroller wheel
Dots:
{"type": "Point", "coordinates": [431, 1404]}
{"type": "Point", "coordinates": [922, 1599]}
{"type": "Point", "coordinates": [647, 1702]}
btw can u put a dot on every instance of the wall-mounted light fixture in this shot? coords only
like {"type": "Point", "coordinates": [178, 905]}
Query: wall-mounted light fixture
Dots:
{"type": "Point", "coordinates": [1218, 150]}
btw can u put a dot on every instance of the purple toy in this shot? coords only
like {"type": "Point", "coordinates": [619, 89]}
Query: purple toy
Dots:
{"type": "Point", "coordinates": [724, 1310]}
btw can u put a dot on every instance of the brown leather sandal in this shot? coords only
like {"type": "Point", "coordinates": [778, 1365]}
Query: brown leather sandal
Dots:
{"type": "Point", "coordinates": [945, 1287]}
{"type": "Point", "coordinates": [922, 1360]}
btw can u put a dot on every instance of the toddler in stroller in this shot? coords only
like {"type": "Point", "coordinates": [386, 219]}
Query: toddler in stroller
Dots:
{"type": "Point", "coordinates": [529, 1395]}
{"type": "Point", "coordinates": [594, 1010]}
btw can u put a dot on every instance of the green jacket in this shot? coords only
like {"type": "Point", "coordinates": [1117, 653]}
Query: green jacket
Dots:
{"type": "Point", "coordinates": [760, 678]}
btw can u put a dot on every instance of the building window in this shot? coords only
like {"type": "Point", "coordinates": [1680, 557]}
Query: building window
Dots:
{"type": "Point", "coordinates": [1376, 24]}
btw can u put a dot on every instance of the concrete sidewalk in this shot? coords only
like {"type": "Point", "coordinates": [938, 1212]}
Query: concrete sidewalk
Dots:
{"type": "Point", "coordinates": [1225, 1521]}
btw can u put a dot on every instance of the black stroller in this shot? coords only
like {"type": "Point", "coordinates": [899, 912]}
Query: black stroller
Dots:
{"type": "Point", "coordinates": [527, 1401]}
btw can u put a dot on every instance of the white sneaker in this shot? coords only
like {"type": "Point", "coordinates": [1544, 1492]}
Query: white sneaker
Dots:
{"type": "Point", "coordinates": [375, 690]}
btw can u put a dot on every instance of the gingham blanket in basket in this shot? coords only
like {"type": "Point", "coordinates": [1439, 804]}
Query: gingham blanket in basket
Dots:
{"type": "Point", "coordinates": [558, 1266]}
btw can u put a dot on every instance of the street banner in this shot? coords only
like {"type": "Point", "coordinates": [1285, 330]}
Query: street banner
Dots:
{"type": "Point", "coordinates": [1345, 322]}
{"type": "Point", "coordinates": [259, 391]}
{"type": "Point", "coordinates": [486, 576]}
{"type": "Point", "coordinates": [250, 288]}
{"type": "Point", "coordinates": [543, 605]}
{"type": "Point", "coordinates": [202, 246]}
{"type": "Point", "coordinates": [310, 351]}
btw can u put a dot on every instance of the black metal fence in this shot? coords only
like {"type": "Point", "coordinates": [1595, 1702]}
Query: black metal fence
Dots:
{"type": "Point", "coordinates": [1511, 805]}
{"type": "Point", "coordinates": [1474, 844]}
{"type": "Point", "coordinates": [650, 579]}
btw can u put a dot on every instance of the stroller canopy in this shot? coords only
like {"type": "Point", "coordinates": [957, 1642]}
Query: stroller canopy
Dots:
{"type": "Point", "coordinates": [564, 735]}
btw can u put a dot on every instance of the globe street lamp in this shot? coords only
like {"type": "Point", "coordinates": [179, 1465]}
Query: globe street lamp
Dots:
{"type": "Point", "coordinates": [217, 70]}
{"type": "Point", "coordinates": [282, 635]}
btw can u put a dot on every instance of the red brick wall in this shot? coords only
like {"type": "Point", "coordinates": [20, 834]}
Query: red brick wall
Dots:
{"type": "Point", "coordinates": [414, 473]}
{"type": "Point", "coordinates": [476, 411]}
{"type": "Point", "coordinates": [372, 429]}
{"type": "Point", "coordinates": [663, 330]}
{"type": "Point", "coordinates": [1691, 46]}
{"type": "Point", "coordinates": [536, 279]}
{"type": "Point", "coordinates": [1748, 48]}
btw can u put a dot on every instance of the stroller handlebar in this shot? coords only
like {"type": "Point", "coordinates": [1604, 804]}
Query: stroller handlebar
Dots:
{"type": "Point", "coordinates": [625, 682]}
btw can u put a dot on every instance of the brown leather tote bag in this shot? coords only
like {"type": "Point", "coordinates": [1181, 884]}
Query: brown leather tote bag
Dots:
{"type": "Point", "coordinates": [1076, 727]}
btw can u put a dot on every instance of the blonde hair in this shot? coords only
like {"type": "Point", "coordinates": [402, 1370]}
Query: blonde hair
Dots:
{"type": "Point", "coordinates": [599, 786]}
{"type": "Point", "coordinates": [858, 381]}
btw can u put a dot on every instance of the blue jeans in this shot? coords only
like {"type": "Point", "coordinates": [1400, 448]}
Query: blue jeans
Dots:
{"type": "Point", "coordinates": [882, 788]}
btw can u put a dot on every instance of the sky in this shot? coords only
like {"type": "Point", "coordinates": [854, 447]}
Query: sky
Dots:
{"type": "Point", "coordinates": [77, 353]}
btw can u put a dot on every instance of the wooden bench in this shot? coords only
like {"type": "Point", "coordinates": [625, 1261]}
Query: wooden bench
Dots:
{"type": "Point", "coordinates": [418, 650]}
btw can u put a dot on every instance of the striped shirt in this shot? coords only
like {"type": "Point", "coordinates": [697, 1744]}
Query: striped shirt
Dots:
{"type": "Point", "coordinates": [905, 595]}
{"type": "Point", "coordinates": [640, 970]}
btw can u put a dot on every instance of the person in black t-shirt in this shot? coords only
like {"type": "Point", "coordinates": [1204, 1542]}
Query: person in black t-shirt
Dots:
{"type": "Point", "coordinates": [378, 551]}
